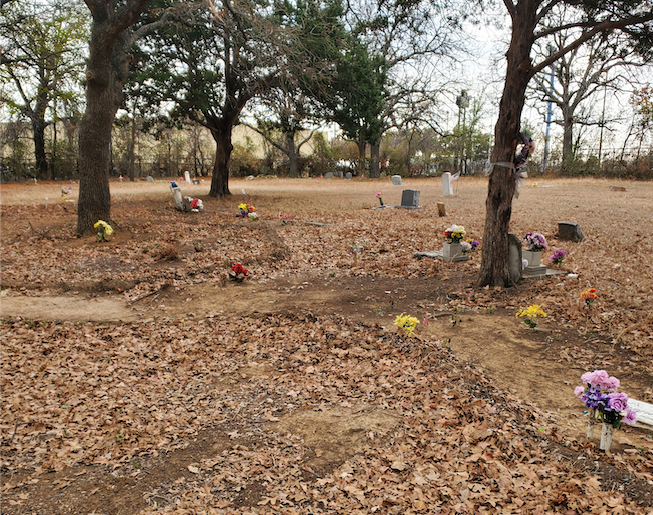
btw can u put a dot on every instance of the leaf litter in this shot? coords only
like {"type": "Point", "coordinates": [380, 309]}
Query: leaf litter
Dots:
{"type": "Point", "coordinates": [435, 434]}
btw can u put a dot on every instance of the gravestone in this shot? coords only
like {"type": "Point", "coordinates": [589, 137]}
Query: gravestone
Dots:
{"type": "Point", "coordinates": [514, 258]}
{"type": "Point", "coordinates": [149, 178]}
{"type": "Point", "coordinates": [441, 210]}
{"type": "Point", "coordinates": [348, 175]}
{"type": "Point", "coordinates": [340, 174]}
{"type": "Point", "coordinates": [396, 180]}
{"type": "Point", "coordinates": [447, 188]}
{"type": "Point", "coordinates": [410, 199]}
{"type": "Point", "coordinates": [180, 202]}
{"type": "Point", "coordinates": [329, 175]}
{"type": "Point", "coordinates": [187, 176]}
{"type": "Point", "coordinates": [568, 231]}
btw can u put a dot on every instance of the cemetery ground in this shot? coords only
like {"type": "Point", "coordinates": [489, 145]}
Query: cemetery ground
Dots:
{"type": "Point", "coordinates": [136, 377]}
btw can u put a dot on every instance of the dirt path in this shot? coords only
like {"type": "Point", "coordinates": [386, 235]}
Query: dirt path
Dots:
{"type": "Point", "coordinates": [541, 366]}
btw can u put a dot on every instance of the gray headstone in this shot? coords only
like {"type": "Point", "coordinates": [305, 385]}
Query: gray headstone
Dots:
{"type": "Point", "coordinates": [514, 258]}
{"type": "Point", "coordinates": [410, 199]}
{"type": "Point", "coordinates": [348, 175]}
{"type": "Point", "coordinates": [329, 175]}
{"type": "Point", "coordinates": [149, 178]}
{"type": "Point", "coordinates": [568, 231]}
{"type": "Point", "coordinates": [396, 180]}
{"type": "Point", "coordinates": [447, 188]}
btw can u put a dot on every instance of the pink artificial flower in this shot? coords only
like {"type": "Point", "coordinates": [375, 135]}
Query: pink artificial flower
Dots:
{"type": "Point", "coordinates": [611, 384]}
{"type": "Point", "coordinates": [618, 401]}
{"type": "Point", "coordinates": [631, 417]}
{"type": "Point", "coordinates": [578, 391]}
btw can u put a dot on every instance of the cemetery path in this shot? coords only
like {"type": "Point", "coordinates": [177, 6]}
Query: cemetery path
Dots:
{"type": "Point", "coordinates": [541, 366]}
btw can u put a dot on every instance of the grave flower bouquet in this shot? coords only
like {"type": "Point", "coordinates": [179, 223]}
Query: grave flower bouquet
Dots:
{"type": "Point", "coordinates": [247, 211]}
{"type": "Point", "coordinates": [407, 323]}
{"type": "Point", "coordinates": [238, 272]}
{"type": "Point", "coordinates": [535, 242]}
{"type": "Point", "coordinates": [600, 394]}
{"type": "Point", "coordinates": [284, 219]}
{"type": "Point", "coordinates": [588, 296]}
{"type": "Point", "coordinates": [103, 230]}
{"type": "Point", "coordinates": [558, 257]}
{"type": "Point", "coordinates": [454, 234]}
{"type": "Point", "coordinates": [378, 195]}
{"type": "Point", "coordinates": [469, 245]}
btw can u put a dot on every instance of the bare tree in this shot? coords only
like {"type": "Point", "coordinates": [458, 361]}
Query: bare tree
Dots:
{"type": "Point", "coordinates": [579, 76]}
{"type": "Point", "coordinates": [529, 23]}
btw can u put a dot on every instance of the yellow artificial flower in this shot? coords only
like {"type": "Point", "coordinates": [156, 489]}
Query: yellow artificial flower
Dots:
{"type": "Point", "coordinates": [242, 206]}
{"type": "Point", "coordinates": [105, 227]}
{"type": "Point", "coordinates": [407, 323]}
{"type": "Point", "coordinates": [531, 312]}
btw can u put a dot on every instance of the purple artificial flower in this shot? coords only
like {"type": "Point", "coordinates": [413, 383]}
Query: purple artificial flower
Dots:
{"type": "Point", "coordinates": [618, 401]}
{"type": "Point", "coordinates": [558, 257]}
{"type": "Point", "coordinates": [631, 417]}
{"type": "Point", "coordinates": [475, 244]}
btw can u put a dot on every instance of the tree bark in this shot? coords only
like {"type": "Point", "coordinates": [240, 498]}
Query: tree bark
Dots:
{"type": "Point", "coordinates": [293, 155]}
{"type": "Point", "coordinates": [38, 129]}
{"type": "Point", "coordinates": [221, 133]}
{"type": "Point", "coordinates": [375, 150]}
{"type": "Point", "coordinates": [106, 74]}
{"type": "Point", "coordinates": [501, 187]}
{"type": "Point", "coordinates": [362, 146]}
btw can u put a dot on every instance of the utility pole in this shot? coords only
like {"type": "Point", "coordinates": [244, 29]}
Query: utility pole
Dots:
{"type": "Point", "coordinates": [549, 115]}
{"type": "Point", "coordinates": [462, 101]}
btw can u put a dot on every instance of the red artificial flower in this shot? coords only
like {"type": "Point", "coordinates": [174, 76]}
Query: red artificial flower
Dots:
{"type": "Point", "coordinates": [239, 269]}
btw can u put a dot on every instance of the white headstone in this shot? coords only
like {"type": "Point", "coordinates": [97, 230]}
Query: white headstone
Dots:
{"type": "Point", "coordinates": [447, 188]}
{"type": "Point", "coordinates": [396, 180]}
{"type": "Point", "coordinates": [187, 176]}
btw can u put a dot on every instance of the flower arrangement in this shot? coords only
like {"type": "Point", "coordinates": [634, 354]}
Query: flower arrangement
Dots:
{"type": "Point", "coordinates": [407, 323]}
{"type": "Point", "coordinates": [588, 296]}
{"type": "Point", "coordinates": [247, 211]}
{"type": "Point", "coordinates": [284, 219]}
{"type": "Point", "coordinates": [535, 242]}
{"type": "Point", "coordinates": [469, 245]}
{"type": "Point", "coordinates": [600, 394]}
{"type": "Point", "coordinates": [454, 234]}
{"type": "Point", "coordinates": [558, 257]}
{"type": "Point", "coordinates": [531, 312]}
{"type": "Point", "coordinates": [238, 272]}
{"type": "Point", "coordinates": [378, 195]}
{"type": "Point", "coordinates": [103, 230]}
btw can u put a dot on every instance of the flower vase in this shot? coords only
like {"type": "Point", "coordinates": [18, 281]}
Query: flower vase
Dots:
{"type": "Point", "coordinates": [534, 258]}
{"type": "Point", "coordinates": [452, 250]}
{"type": "Point", "coordinates": [606, 436]}
{"type": "Point", "coordinates": [591, 422]}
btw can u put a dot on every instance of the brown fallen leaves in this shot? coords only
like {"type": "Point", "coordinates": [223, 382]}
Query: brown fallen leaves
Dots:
{"type": "Point", "coordinates": [107, 394]}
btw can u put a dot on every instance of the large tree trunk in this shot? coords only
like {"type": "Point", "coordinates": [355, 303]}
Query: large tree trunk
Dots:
{"type": "Point", "coordinates": [103, 91]}
{"type": "Point", "coordinates": [362, 146]}
{"type": "Point", "coordinates": [223, 147]}
{"type": "Point", "coordinates": [38, 130]}
{"type": "Point", "coordinates": [106, 74]}
{"type": "Point", "coordinates": [374, 160]}
{"type": "Point", "coordinates": [501, 187]}
{"type": "Point", "coordinates": [291, 152]}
